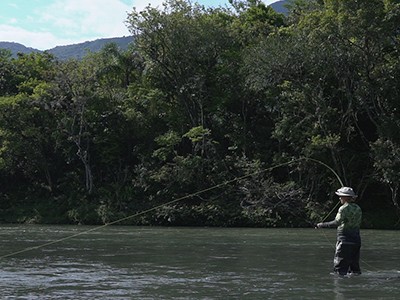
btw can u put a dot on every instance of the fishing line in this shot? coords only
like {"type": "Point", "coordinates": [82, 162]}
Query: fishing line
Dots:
{"type": "Point", "coordinates": [174, 201]}
{"type": "Point", "coordinates": [149, 210]}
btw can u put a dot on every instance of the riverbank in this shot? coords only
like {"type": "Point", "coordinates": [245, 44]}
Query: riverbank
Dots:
{"type": "Point", "coordinates": [177, 216]}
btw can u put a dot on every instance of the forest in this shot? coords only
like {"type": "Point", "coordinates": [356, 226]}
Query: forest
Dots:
{"type": "Point", "coordinates": [227, 116]}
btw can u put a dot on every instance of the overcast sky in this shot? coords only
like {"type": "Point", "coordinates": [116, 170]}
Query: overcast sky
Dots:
{"type": "Point", "coordinates": [44, 24]}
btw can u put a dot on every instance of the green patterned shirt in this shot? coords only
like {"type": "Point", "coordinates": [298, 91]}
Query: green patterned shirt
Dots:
{"type": "Point", "coordinates": [348, 217]}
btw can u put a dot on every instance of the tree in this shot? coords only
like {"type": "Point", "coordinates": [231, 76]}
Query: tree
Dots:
{"type": "Point", "coordinates": [25, 124]}
{"type": "Point", "coordinates": [329, 91]}
{"type": "Point", "coordinates": [7, 72]}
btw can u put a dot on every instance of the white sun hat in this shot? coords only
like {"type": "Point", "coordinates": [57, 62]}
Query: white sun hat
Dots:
{"type": "Point", "coordinates": [346, 192]}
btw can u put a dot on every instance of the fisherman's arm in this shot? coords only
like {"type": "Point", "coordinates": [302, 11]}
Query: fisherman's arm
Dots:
{"type": "Point", "coordinates": [330, 224]}
{"type": "Point", "coordinates": [335, 223]}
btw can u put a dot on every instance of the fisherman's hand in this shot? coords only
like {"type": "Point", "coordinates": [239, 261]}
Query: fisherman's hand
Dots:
{"type": "Point", "coordinates": [319, 225]}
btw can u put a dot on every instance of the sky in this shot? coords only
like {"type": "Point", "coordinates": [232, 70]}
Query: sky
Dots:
{"type": "Point", "coordinates": [44, 24]}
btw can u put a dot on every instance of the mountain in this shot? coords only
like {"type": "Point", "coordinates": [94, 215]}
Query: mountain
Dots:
{"type": "Point", "coordinates": [279, 6]}
{"type": "Point", "coordinates": [80, 50]}
{"type": "Point", "coordinates": [70, 51]}
{"type": "Point", "coordinates": [17, 48]}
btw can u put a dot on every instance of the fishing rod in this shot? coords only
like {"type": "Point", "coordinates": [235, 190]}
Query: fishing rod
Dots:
{"type": "Point", "coordinates": [174, 201]}
{"type": "Point", "coordinates": [338, 178]}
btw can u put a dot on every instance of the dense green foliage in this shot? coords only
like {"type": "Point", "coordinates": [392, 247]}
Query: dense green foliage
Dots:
{"type": "Point", "coordinates": [210, 99]}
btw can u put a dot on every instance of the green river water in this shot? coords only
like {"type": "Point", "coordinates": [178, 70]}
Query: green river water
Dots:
{"type": "Point", "coordinates": [122, 262]}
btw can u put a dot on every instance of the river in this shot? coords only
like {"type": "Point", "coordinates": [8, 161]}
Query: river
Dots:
{"type": "Point", "coordinates": [123, 262]}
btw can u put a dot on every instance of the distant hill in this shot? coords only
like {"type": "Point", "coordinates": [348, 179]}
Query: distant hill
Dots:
{"type": "Point", "coordinates": [279, 6]}
{"type": "Point", "coordinates": [80, 50]}
{"type": "Point", "coordinates": [17, 48]}
{"type": "Point", "coordinates": [70, 51]}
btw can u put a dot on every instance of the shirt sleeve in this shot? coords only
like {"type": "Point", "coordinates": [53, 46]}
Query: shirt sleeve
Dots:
{"type": "Point", "coordinates": [339, 215]}
{"type": "Point", "coordinates": [333, 223]}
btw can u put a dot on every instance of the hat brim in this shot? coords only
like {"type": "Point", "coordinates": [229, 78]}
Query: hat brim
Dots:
{"type": "Point", "coordinates": [346, 195]}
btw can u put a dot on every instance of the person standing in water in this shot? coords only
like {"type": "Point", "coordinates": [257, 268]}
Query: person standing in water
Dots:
{"type": "Point", "coordinates": [347, 221]}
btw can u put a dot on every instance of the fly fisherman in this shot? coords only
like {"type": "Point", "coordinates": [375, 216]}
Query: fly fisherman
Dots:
{"type": "Point", "coordinates": [347, 221]}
